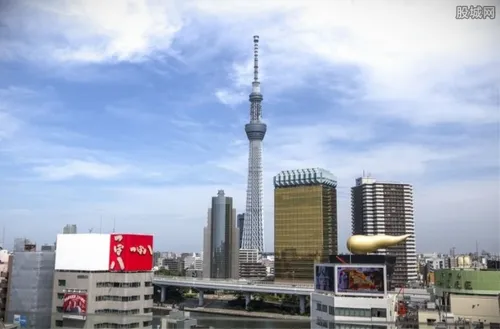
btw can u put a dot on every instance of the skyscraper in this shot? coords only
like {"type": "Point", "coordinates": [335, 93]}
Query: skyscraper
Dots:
{"type": "Point", "coordinates": [70, 229]}
{"type": "Point", "coordinates": [305, 222]}
{"type": "Point", "coordinates": [221, 240]}
{"type": "Point", "coordinates": [387, 208]}
{"type": "Point", "coordinates": [241, 223]}
{"type": "Point", "coordinates": [253, 232]}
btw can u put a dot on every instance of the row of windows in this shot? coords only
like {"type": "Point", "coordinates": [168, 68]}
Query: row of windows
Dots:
{"type": "Point", "coordinates": [117, 312]}
{"type": "Point", "coordinates": [332, 325]}
{"type": "Point", "coordinates": [145, 324]}
{"type": "Point", "coordinates": [62, 283]}
{"type": "Point", "coordinates": [117, 298]}
{"type": "Point", "coordinates": [355, 312]}
{"type": "Point", "coordinates": [117, 326]}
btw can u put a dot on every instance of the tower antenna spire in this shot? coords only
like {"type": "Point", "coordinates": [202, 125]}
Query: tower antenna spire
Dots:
{"type": "Point", "coordinates": [256, 58]}
{"type": "Point", "coordinates": [253, 230]}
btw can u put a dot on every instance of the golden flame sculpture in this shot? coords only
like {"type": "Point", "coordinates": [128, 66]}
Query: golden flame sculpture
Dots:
{"type": "Point", "coordinates": [363, 244]}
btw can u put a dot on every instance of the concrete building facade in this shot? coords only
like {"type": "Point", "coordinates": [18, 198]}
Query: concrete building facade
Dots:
{"type": "Point", "coordinates": [114, 300]}
{"type": "Point", "coordinates": [103, 281]}
{"type": "Point", "coordinates": [387, 208]}
{"type": "Point", "coordinates": [330, 311]}
{"type": "Point", "coordinates": [221, 240]}
{"type": "Point", "coordinates": [305, 222]}
{"type": "Point", "coordinates": [472, 295]}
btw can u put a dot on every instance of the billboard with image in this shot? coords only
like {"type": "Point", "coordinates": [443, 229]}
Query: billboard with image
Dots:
{"type": "Point", "coordinates": [360, 280]}
{"type": "Point", "coordinates": [75, 306]}
{"type": "Point", "coordinates": [324, 278]}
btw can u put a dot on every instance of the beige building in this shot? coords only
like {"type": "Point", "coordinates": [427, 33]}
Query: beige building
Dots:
{"type": "Point", "coordinates": [114, 300]}
{"type": "Point", "coordinates": [465, 295]}
{"type": "Point", "coordinates": [103, 281]}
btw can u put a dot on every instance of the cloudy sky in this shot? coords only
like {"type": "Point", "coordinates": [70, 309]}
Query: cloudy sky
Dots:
{"type": "Point", "coordinates": [134, 111]}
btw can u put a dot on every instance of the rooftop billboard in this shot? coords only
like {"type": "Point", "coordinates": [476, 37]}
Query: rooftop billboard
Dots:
{"type": "Point", "coordinates": [324, 278]}
{"type": "Point", "coordinates": [359, 280]}
{"type": "Point", "coordinates": [104, 252]}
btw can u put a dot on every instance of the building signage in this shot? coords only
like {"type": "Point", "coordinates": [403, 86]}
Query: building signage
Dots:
{"type": "Point", "coordinates": [360, 280]}
{"type": "Point", "coordinates": [131, 253]}
{"type": "Point", "coordinates": [75, 306]}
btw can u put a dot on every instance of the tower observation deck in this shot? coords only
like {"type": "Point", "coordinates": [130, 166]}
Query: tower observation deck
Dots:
{"type": "Point", "coordinates": [253, 227]}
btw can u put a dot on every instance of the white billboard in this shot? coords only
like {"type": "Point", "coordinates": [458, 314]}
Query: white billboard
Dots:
{"type": "Point", "coordinates": [83, 252]}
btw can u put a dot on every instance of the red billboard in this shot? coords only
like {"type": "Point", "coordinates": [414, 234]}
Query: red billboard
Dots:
{"type": "Point", "coordinates": [131, 253]}
{"type": "Point", "coordinates": [75, 306]}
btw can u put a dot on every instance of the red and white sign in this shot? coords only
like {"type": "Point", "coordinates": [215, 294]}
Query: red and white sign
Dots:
{"type": "Point", "coordinates": [131, 253]}
{"type": "Point", "coordinates": [104, 252]}
{"type": "Point", "coordinates": [75, 306]}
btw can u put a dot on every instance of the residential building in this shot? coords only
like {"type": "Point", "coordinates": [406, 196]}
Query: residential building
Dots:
{"type": "Point", "coordinates": [70, 229]}
{"type": "Point", "coordinates": [305, 222]}
{"type": "Point", "coordinates": [249, 256]}
{"type": "Point", "coordinates": [221, 240]}
{"type": "Point", "coordinates": [103, 281]}
{"type": "Point", "coordinates": [29, 293]}
{"type": "Point", "coordinates": [387, 208]}
{"type": "Point", "coordinates": [251, 265]}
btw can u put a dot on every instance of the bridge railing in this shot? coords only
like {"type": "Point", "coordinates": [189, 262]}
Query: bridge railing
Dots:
{"type": "Point", "coordinates": [233, 281]}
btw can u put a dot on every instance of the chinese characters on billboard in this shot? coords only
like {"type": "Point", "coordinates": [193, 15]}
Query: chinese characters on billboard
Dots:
{"type": "Point", "coordinates": [358, 280]}
{"type": "Point", "coordinates": [75, 306]}
{"type": "Point", "coordinates": [131, 253]}
{"type": "Point", "coordinates": [324, 277]}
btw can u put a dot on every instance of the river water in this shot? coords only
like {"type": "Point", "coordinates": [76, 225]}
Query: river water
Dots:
{"type": "Point", "coordinates": [218, 321]}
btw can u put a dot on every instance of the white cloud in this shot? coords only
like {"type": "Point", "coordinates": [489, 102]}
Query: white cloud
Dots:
{"type": "Point", "coordinates": [411, 62]}
{"type": "Point", "coordinates": [78, 168]}
{"type": "Point", "coordinates": [410, 54]}
{"type": "Point", "coordinates": [93, 31]}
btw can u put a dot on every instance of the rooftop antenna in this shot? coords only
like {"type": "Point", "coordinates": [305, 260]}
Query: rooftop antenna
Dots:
{"type": "Point", "coordinates": [91, 230]}
{"type": "Point", "coordinates": [114, 224]}
{"type": "Point", "coordinates": [100, 226]}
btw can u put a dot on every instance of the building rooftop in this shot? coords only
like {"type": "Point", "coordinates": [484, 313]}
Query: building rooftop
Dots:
{"type": "Point", "coordinates": [308, 176]}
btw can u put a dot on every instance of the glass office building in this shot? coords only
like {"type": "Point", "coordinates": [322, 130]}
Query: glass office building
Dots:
{"type": "Point", "coordinates": [305, 222]}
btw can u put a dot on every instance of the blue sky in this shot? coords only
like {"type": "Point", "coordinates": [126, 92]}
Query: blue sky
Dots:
{"type": "Point", "coordinates": [134, 111]}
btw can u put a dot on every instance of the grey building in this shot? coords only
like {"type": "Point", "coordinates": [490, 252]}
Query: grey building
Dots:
{"type": "Point", "coordinates": [221, 240]}
{"type": "Point", "coordinates": [114, 299]}
{"type": "Point", "coordinates": [29, 293]}
{"type": "Point", "coordinates": [70, 229]}
{"type": "Point", "coordinates": [241, 222]}
{"type": "Point", "coordinates": [387, 208]}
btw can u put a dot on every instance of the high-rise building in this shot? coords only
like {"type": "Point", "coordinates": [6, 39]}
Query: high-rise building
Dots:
{"type": "Point", "coordinates": [387, 208]}
{"type": "Point", "coordinates": [103, 281]}
{"type": "Point", "coordinates": [241, 223]}
{"type": "Point", "coordinates": [221, 240]}
{"type": "Point", "coordinates": [305, 222]}
{"type": "Point", "coordinates": [70, 229]}
{"type": "Point", "coordinates": [253, 232]}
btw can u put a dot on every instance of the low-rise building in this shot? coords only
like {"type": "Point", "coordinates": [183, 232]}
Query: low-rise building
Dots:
{"type": "Point", "coordinates": [103, 281]}
{"type": "Point", "coordinates": [330, 311]}
{"type": "Point", "coordinates": [352, 296]}
{"type": "Point", "coordinates": [465, 295]}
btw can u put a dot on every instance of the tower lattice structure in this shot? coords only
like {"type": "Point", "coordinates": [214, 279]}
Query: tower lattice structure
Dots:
{"type": "Point", "coordinates": [253, 228]}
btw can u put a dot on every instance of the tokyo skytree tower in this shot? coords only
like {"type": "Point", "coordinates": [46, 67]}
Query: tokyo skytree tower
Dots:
{"type": "Point", "coordinates": [253, 232]}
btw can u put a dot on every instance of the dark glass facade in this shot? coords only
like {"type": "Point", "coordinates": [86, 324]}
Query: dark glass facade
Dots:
{"type": "Point", "coordinates": [305, 229]}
